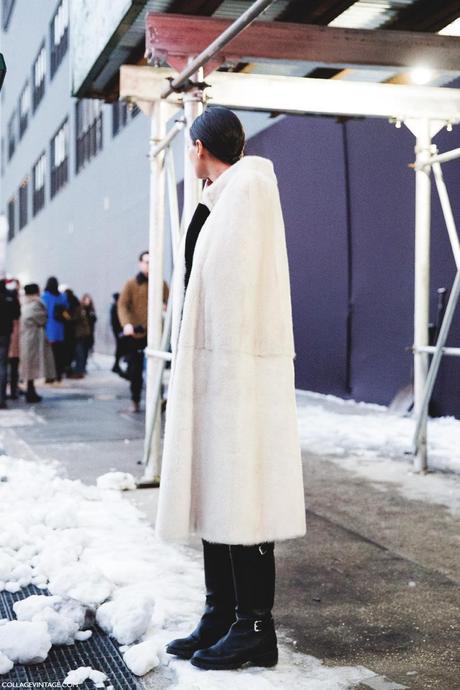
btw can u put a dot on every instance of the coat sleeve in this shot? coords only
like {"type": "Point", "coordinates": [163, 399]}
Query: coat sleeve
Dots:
{"type": "Point", "coordinates": [124, 305]}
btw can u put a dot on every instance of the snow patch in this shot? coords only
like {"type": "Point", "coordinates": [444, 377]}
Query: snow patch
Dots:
{"type": "Point", "coordinates": [84, 673]}
{"type": "Point", "coordinates": [117, 481]}
{"type": "Point", "coordinates": [24, 642]}
{"type": "Point", "coordinates": [142, 658]}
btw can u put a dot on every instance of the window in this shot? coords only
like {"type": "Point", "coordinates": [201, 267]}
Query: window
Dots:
{"type": "Point", "coordinates": [59, 35]}
{"type": "Point", "coordinates": [11, 136]}
{"type": "Point", "coordinates": [23, 111]}
{"type": "Point", "coordinates": [38, 77]}
{"type": "Point", "coordinates": [7, 11]}
{"type": "Point", "coordinates": [23, 199]}
{"type": "Point", "coordinates": [88, 131]}
{"type": "Point", "coordinates": [121, 114]}
{"type": "Point", "coordinates": [38, 184]}
{"type": "Point", "coordinates": [2, 158]}
{"type": "Point", "coordinates": [59, 158]}
{"type": "Point", "coordinates": [11, 218]}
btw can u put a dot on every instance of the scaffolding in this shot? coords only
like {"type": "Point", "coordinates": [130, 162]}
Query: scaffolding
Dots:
{"type": "Point", "coordinates": [424, 110]}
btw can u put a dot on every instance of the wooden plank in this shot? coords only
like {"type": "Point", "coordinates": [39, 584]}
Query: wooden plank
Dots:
{"type": "Point", "coordinates": [180, 35]}
{"type": "Point", "coordinates": [298, 95]}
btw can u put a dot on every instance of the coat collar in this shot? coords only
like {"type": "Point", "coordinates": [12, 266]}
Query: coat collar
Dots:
{"type": "Point", "coordinates": [251, 164]}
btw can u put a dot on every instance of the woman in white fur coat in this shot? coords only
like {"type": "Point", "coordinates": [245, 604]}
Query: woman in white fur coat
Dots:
{"type": "Point", "coordinates": [231, 470]}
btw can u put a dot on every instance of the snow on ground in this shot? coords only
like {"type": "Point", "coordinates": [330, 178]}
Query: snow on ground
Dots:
{"type": "Point", "coordinates": [374, 443]}
{"type": "Point", "coordinates": [96, 554]}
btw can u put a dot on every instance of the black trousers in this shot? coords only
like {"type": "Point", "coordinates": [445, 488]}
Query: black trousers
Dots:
{"type": "Point", "coordinates": [13, 368]}
{"type": "Point", "coordinates": [59, 357]}
{"type": "Point", "coordinates": [4, 347]}
{"type": "Point", "coordinates": [135, 359]}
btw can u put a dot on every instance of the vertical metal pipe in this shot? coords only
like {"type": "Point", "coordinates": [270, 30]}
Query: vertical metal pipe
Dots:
{"type": "Point", "coordinates": [155, 295]}
{"type": "Point", "coordinates": [193, 106]}
{"type": "Point", "coordinates": [447, 211]}
{"type": "Point", "coordinates": [422, 285]}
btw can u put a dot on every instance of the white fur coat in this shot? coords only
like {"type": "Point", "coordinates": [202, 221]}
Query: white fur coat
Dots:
{"type": "Point", "coordinates": [231, 469]}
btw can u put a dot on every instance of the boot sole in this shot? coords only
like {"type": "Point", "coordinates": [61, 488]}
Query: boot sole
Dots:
{"type": "Point", "coordinates": [265, 660]}
{"type": "Point", "coordinates": [180, 654]}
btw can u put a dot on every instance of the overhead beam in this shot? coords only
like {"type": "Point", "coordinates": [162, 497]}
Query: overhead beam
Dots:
{"type": "Point", "coordinates": [182, 35]}
{"type": "Point", "coordinates": [302, 96]}
{"type": "Point", "coordinates": [425, 15]}
{"type": "Point", "coordinates": [314, 12]}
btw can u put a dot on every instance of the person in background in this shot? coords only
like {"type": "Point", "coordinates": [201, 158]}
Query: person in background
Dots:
{"type": "Point", "coordinates": [83, 331]}
{"type": "Point", "coordinates": [117, 331]}
{"type": "Point", "coordinates": [57, 308]}
{"type": "Point", "coordinates": [37, 359]}
{"type": "Point", "coordinates": [9, 312]}
{"type": "Point", "coordinates": [132, 312]}
{"type": "Point", "coordinates": [87, 305]}
{"type": "Point", "coordinates": [13, 353]}
{"type": "Point", "coordinates": [69, 331]}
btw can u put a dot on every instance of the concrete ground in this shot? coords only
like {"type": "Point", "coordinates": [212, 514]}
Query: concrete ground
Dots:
{"type": "Point", "coordinates": [375, 581]}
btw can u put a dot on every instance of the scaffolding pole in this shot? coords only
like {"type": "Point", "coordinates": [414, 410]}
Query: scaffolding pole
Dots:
{"type": "Point", "coordinates": [151, 458]}
{"type": "Point", "coordinates": [422, 285]}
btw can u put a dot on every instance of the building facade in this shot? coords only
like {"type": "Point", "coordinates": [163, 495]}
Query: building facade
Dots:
{"type": "Point", "coordinates": [74, 173]}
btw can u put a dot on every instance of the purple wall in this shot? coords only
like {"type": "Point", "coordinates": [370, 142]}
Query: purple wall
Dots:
{"type": "Point", "coordinates": [348, 201]}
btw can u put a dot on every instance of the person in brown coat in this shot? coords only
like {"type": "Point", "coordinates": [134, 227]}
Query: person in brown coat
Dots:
{"type": "Point", "coordinates": [132, 313]}
{"type": "Point", "coordinates": [37, 359]}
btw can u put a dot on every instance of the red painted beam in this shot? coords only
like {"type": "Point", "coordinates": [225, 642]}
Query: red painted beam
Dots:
{"type": "Point", "coordinates": [171, 36]}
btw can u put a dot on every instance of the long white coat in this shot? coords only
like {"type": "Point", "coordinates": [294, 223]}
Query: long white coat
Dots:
{"type": "Point", "coordinates": [231, 470]}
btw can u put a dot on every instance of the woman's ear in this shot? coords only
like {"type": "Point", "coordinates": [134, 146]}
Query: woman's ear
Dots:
{"type": "Point", "coordinates": [199, 148]}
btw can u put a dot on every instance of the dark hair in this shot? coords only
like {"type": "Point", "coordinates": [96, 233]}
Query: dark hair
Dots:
{"type": "Point", "coordinates": [142, 254]}
{"type": "Point", "coordinates": [31, 289]}
{"type": "Point", "coordinates": [221, 133]}
{"type": "Point", "coordinates": [52, 286]}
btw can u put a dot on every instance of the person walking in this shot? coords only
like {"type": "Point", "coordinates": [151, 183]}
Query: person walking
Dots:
{"type": "Point", "coordinates": [132, 313]}
{"type": "Point", "coordinates": [9, 313]}
{"type": "Point", "coordinates": [37, 360]}
{"type": "Point", "coordinates": [87, 305]}
{"type": "Point", "coordinates": [56, 304]}
{"type": "Point", "coordinates": [231, 471]}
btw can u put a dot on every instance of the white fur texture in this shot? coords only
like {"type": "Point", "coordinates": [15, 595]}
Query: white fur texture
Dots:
{"type": "Point", "coordinates": [231, 463]}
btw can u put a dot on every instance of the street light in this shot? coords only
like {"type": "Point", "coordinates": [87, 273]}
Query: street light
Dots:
{"type": "Point", "coordinates": [2, 70]}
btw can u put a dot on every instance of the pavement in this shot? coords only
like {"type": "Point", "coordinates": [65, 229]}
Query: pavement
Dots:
{"type": "Point", "coordinates": [375, 582]}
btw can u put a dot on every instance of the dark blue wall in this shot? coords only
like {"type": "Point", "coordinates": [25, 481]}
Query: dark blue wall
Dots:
{"type": "Point", "coordinates": [348, 202]}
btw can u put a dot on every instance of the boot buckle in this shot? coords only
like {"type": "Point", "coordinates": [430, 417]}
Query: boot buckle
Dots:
{"type": "Point", "coordinates": [257, 626]}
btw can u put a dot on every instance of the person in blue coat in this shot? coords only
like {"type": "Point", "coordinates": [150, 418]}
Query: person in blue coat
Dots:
{"type": "Point", "coordinates": [56, 304]}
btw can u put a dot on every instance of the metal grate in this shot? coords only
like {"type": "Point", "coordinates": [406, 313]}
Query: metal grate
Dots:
{"type": "Point", "coordinates": [100, 652]}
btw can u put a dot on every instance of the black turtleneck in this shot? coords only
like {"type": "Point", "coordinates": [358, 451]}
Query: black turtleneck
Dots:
{"type": "Point", "coordinates": [197, 222]}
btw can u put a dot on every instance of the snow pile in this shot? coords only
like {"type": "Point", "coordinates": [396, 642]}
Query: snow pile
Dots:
{"type": "Point", "coordinates": [141, 658]}
{"type": "Point", "coordinates": [117, 481]}
{"type": "Point", "coordinates": [127, 617]}
{"type": "Point", "coordinates": [63, 618]}
{"type": "Point", "coordinates": [97, 556]}
{"type": "Point", "coordinates": [24, 643]}
{"type": "Point", "coordinates": [373, 443]}
{"type": "Point", "coordinates": [84, 673]}
{"type": "Point", "coordinates": [336, 427]}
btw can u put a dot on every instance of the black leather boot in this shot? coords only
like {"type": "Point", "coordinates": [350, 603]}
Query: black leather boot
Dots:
{"type": "Point", "coordinates": [219, 613]}
{"type": "Point", "coordinates": [252, 638]}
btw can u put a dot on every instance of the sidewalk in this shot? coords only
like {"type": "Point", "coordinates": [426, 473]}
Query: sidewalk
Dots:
{"type": "Point", "coordinates": [374, 584]}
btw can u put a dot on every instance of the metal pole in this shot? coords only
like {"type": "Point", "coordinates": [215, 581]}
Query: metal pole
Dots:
{"type": "Point", "coordinates": [450, 351]}
{"type": "Point", "coordinates": [177, 127]}
{"type": "Point", "coordinates": [193, 106]}
{"type": "Point", "coordinates": [436, 361]}
{"type": "Point", "coordinates": [422, 285]}
{"type": "Point", "coordinates": [174, 216]}
{"type": "Point", "coordinates": [155, 294]}
{"type": "Point", "coordinates": [445, 157]}
{"type": "Point", "coordinates": [220, 42]}
{"type": "Point", "coordinates": [447, 211]}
